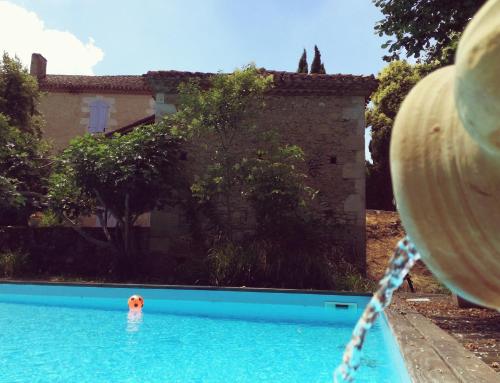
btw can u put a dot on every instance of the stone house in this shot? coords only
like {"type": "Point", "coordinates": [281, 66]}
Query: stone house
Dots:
{"type": "Point", "coordinates": [323, 114]}
{"type": "Point", "coordinates": [73, 105]}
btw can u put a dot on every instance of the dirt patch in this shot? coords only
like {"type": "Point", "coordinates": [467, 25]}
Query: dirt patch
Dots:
{"type": "Point", "coordinates": [383, 231]}
{"type": "Point", "coordinates": [478, 330]}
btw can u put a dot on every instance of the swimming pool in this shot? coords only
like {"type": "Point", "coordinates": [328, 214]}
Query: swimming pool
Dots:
{"type": "Point", "coordinates": [60, 333]}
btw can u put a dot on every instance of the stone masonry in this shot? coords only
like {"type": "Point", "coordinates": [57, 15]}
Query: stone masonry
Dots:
{"type": "Point", "coordinates": [325, 117]}
{"type": "Point", "coordinates": [323, 114]}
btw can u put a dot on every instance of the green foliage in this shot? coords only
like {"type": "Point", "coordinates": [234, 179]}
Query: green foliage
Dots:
{"type": "Point", "coordinates": [126, 176]}
{"type": "Point", "coordinates": [231, 264]}
{"type": "Point", "coordinates": [223, 109]}
{"type": "Point", "coordinates": [303, 66]}
{"type": "Point", "coordinates": [395, 82]}
{"type": "Point", "coordinates": [49, 218]}
{"type": "Point", "coordinates": [428, 28]}
{"type": "Point", "coordinates": [23, 155]}
{"type": "Point", "coordinates": [248, 167]}
{"type": "Point", "coordinates": [274, 187]}
{"type": "Point", "coordinates": [265, 173]}
{"type": "Point", "coordinates": [347, 277]}
{"type": "Point", "coordinates": [19, 96]}
{"type": "Point", "coordinates": [264, 264]}
{"type": "Point", "coordinates": [23, 172]}
{"type": "Point", "coordinates": [12, 263]}
{"type": "Point", "coordinates": [222, 115]}
{"type": "Point", "coordinates": [317, 66]}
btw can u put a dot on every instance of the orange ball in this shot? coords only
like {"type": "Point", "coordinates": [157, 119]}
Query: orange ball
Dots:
{"type": "Point", "coordinates": [135, 303]}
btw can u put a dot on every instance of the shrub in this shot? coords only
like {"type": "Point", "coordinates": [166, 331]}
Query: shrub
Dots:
{"type": "Point", "coordinates": [346, 277]}
{"type": "Point", "coordinates": [261, 263]}
{"type": "Point", "coordinates": [12, 263]}
{"type": "Point", "coordinates": [124, 176]}
{"type": "Point", "coordinates": [49, 218]}
{"type": "Point", "coordinates": [233, 264]}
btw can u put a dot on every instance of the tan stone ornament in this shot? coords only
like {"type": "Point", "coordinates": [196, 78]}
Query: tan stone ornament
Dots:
{"type": "Point", "coordinates": [445, 164]}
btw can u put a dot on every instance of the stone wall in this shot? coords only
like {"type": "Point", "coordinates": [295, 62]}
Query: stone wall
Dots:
{"type": "Point", "coordinates": [330, 130]}
{"type": "Point", "coordinates": [328, 125]}
{"type": "Point", "coordinates": [67, 113]}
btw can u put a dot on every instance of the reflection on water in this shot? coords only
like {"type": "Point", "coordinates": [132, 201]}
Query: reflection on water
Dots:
{"type": "Point", "coordinates": [134, 321]}
{"type": "Point", "coordinates": [400, 264]}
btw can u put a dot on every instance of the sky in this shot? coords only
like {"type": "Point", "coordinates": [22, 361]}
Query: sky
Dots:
{"type": "Point", "coordinates": [131, 37]}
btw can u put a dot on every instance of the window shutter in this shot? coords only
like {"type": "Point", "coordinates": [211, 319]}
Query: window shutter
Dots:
{"type": "Point", "coordinates": [94, 116]}
{"type": "Point", "coordinates": [99, 112]}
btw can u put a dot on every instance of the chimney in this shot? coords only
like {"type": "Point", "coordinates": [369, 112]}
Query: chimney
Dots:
{"type": "Point", "coordinates": [38, 67]}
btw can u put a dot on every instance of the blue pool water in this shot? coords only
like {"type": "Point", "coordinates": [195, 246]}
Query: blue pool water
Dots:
{"type": "Point", "coordinates": [86, 334]}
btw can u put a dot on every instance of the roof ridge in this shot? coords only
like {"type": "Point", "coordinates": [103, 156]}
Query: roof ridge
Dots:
{"type": "Point", "coordinates": [284, 82]}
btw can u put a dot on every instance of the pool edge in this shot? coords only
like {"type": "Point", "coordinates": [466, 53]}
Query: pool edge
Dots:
{"type": "Point", "coordinates": [182, 287]}
{"type": "Point", "coordinates": [432, 355]}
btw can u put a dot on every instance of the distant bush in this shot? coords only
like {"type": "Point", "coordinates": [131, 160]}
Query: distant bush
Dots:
{"type": "Point", "coordinates": [260, 263]}
{"type": "Point", "coordinates": [347, 277]}
{"type": "Point", "coordinates": [49, 218]}
{"type": "Point", "coordinates": [13, 263]}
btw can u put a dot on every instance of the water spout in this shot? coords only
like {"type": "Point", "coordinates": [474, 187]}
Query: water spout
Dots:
{"type": "Point", "coordinates": [400, 264]}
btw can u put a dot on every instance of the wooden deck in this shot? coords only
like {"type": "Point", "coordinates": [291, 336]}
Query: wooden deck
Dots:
{"type": "Point", "coordinates": [434, 356]}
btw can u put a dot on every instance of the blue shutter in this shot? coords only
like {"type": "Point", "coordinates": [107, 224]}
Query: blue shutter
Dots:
{"type": "Point", "coordinates": [99, 112]}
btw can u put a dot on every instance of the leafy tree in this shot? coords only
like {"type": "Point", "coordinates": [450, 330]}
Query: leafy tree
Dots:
{"type": "Point", "coordinates": [395, 82]}
{"type": "Point", "coordinates": [274, 186]}
{"type": "Point", "coordinates": [221, 114]}
{"type": "Point", "coordinates": [19, 95]}
{"type": "Point", "coordinates": [123, 176]}
{"type": "Point", "coordinates": [428, 28]}
{"type": "Point", "coordinates": [317, 66]}
{"type": "Point", "coordinates": [24, 164]}
{"type": "Point", "coordinates": [303, 66]}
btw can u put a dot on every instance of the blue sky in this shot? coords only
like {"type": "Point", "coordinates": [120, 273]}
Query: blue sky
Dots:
{"type": "Point", "coordinates": [211, 35]}
{"type": "Point", "coordinates": [132, 37]}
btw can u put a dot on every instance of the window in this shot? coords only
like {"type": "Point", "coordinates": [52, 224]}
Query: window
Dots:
{"type": "Point", "coordinates": [99, 112]}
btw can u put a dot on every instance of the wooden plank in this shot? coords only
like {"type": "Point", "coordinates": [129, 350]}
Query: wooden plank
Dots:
{"type": "Point", "coordinates": [422, 361]}
{"type": "Point", "coordinates": [466, 366]}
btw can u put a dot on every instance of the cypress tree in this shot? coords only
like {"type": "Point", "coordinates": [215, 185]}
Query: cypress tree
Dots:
{"type": "Point", "coordinates": [316, 64]}
{"type": "Point", "coordinates": [303, 66]}
{"type": "Point", "coordinates": [322, 70]}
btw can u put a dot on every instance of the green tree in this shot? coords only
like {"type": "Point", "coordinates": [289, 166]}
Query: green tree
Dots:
{"type": "Point", "coordinates": [19, 95]}
{"type": "Point", "coordinates": [275, 187]}
{"type": "Point", "coordinates": [223, 115]}
{"type": "Point", "coordinates": [23, 167]}
{"type": "Point", "coordinates": [424, 28]}
{"type": "Point", "coordinates": [395, 82]}
{"type": "Point", "coordinates": [24, 157]}
{"type": "Point", "coordinates": [123, 176]}
{"type": "Point", "coordinates": [316, 65]}
{"type": "Point", "coordinates": [303, 66]}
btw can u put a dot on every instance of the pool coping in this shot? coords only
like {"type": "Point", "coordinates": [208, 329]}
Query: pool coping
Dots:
{"type": "Point", "coordinates": [432, 355]}
{"type": "Point", "coordinates": [182, 287]}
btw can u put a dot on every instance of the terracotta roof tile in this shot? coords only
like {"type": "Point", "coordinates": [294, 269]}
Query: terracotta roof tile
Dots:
{"type": "Point", "coordinates": [284, 82]}
{"type": "Point", "coordinates": [77, 83]}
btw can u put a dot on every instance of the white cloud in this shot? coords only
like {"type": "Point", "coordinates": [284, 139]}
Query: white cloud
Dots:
{"type": "Point", "coordinates": [22, 32]}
